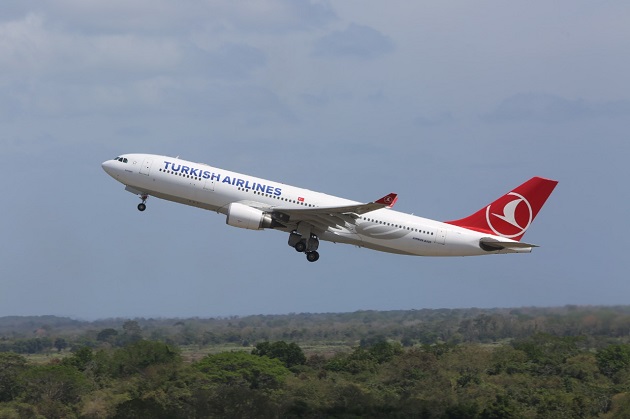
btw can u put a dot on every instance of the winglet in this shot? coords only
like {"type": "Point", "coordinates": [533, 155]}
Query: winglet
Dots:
{"type": "Point", "coordinates": [388, 200]}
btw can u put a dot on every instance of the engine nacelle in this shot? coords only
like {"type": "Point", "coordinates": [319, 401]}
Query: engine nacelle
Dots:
{"type": "Point", "coordinates": [243, 216]}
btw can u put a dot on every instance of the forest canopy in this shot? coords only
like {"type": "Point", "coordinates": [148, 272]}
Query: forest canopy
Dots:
{"type": "Point", "coordinates": [469, 363]}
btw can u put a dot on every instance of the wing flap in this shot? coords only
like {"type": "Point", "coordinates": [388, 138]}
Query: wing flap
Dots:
{"type": "Point", "coordinates": [385, 202]}
{"type": "Point", "coordinates": [333, 217]}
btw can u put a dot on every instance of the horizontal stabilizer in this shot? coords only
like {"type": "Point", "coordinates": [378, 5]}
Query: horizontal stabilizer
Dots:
{"type": "Point", "coordinates": [496, 244]}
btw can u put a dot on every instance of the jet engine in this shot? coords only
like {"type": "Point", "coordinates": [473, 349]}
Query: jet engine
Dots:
{"type": "Point", "coordinates": [243, 216]}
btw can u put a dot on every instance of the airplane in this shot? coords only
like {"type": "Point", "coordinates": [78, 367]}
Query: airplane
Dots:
{"type": "Point", "coordinates": [256, 204]}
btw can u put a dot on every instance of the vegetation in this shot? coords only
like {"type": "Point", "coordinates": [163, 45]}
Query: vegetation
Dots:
{"type": "Point", "coordinates": [571, 362]}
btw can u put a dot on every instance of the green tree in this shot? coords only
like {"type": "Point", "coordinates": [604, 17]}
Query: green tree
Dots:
{"type": "Point", "coordinates": [131, 333]}
{"type": "Point", "coordinates": [32, 346]}
{"type": "Point", "coordinates": [620, 407]}
{"type": "Point", "coordinates": [501, 408]}
{"type": "Point", "coordinates": [163, 389]}
{"type": "Point", "coordinates": [11, 367]}
{"type": "Point", "coordinates": [81, 359]}
{"type": "Point", "coordinates": [243, 369]}
{"type": "Point", "coordinates": [461, 411]}
{"type": "Point", "coordinates": [102, 403]}
{"type": "Point", "coordinates": [60, 344]}
{"type": "Point", "coordinates": [16, 410]}
{"type": "Point", "coordinates": [107, 335]}
{"type": "Point", "coordinates": [54, 388]}
{"type": "Point", "coordinates": [235, 402]}
{"type": "Point", "coordinates": [360, 361]}
{"type": "Point", "coordinates": [613, 359]}
{"type": "Point", "coordinates": [137, 356]}
{"type": "Point", "coordinates": [506, 359]}
{"type": "Point", "coordinates": [290, 354]}
{"type": "Point", "coordinates": [384, 351]}
{"type": "Point", "coordinates": [132, 328]}
{"type": "Point", "coordinates": [438, 349]}
{"type": "Point", "coordinates": [546, 352]}
{"type": "Point", "coordinates": [143, 408]}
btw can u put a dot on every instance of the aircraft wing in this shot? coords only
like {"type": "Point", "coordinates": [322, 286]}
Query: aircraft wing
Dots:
{"type": "Point", "coordinates": [324, 217]}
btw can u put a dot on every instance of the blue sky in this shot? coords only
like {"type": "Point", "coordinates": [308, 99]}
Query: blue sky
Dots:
{"type": "Point", "coordinates": [449, 104]}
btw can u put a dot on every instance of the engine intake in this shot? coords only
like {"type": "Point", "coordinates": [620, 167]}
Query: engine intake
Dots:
{"type": "Point", "coordinates": [243, 216]}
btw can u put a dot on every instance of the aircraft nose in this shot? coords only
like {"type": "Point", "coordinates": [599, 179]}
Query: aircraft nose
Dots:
{"type": "Point", "coordinates": [108, 167]}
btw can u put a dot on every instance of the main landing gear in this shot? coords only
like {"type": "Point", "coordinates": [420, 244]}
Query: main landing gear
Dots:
{"type": "Point", "coordinates": [142, 206]}
{"type": "Point", "coordinates": [309, 247]}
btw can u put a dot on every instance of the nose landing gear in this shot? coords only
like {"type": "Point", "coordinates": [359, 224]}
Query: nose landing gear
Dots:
{"type": "Point", "coordinates": [142, 206]}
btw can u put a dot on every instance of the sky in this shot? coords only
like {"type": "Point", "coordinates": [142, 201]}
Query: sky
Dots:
{"type": "Point", "coordinates": [448, 104]}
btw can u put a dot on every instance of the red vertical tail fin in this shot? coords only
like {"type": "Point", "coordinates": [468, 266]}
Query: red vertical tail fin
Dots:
{"type": "Point", "coordinates": [512, 214]}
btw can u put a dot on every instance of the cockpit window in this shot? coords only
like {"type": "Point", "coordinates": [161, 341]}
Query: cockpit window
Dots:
{"type": "Point", "coordinates": [121, 159]}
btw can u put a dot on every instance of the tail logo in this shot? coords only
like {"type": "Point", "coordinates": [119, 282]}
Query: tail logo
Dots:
{"type": "Point", "coordinates": [513, 219]}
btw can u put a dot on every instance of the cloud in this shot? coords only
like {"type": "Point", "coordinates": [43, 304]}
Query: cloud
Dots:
{"type": "Point", "coordinates": [30, 48]}
{"type": "Point", "coordinates": [540, 107]}
{"type": "Point", "coordinates": [116, 57]}
{"type": "Point", "coordinates": [434, 120]}
{"type": "Point", "coordinates": [232, 61]}
{"type": "Point", "coordinates": [48, 72]}
{"type": "Point", "coordinates": [356, 41]}
{"type": "Point", "coordinates": [325, 97]}
{"type": "Point", "coordinates": [277, 16]}
{"type": "Point", "coordinates": [166, 17]}
{"type": "Point", "coordinates": [249, 103]}
{"type": "Point", "coordinates": [192, 98]}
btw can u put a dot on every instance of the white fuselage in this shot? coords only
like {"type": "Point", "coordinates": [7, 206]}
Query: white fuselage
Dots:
{"type": "Point", "coordinates": [211, 188]}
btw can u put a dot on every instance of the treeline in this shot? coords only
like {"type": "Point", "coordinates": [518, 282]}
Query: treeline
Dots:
{"type": "Point", "coordinates": [542, 376]}
{"type": "Point", "coordinates": [409, 327]}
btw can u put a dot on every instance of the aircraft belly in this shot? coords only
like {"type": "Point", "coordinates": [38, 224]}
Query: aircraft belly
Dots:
{"type": "Point", "coordinates": [341, 237]}
{"type": "Point", "coordinates": [177, 190]}
{"type": "Point", "coordinates": [386, 247]}
{"type": "Point", "coordinates": [419, 245]}
{"type": "Point", "coordinates": [457, 244]}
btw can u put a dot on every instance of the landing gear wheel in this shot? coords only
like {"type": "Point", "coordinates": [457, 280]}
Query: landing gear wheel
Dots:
{"type": "Point", "coordinates": [312, 256]}
{"type": "Point", "coordinates": [142, 206]}
{"type": "Point", "coordinates": [300, 246]}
